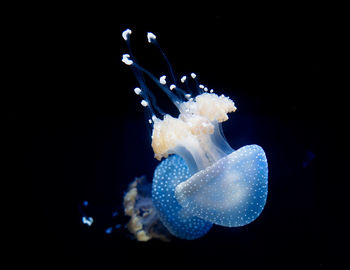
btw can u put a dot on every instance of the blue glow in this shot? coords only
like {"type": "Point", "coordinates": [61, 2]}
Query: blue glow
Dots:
{"type": "Point", "coordinates": [109, 230]}
{"type": "Point", "coordinates": [309, 157]}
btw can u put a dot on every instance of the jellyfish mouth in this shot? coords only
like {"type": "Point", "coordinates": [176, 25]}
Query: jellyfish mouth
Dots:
{"type": "Point", "coordinates": [231, 192]}
{"type": "Point", "coordinates": [194, 127]}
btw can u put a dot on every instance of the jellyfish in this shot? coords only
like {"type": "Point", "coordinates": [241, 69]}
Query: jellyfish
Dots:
{"type": "Point", "coordinates": [200, 180]}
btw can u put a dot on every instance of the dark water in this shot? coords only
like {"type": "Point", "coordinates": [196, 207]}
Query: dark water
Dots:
{"type": "Point", "coordinates": [86, 138]}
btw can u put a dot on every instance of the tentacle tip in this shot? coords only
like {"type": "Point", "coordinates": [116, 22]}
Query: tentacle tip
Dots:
{"type": "Point", "coordinates": [151, 37]}
{"type": "Point", "coordinates": [137, 90]}
{"type": "Point", "coordinates": [126, 59]}
{"type": "Point", "coordinates": [126, 34]}
{"type": "Point", "coordinates": [162, 80]}
{"type": "Point", "coordinates": [144, 103]}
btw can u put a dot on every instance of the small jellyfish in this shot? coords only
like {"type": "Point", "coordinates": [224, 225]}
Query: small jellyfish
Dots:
{"type": "Point", "coordinates": [202, 180]}
{"type": "Point", "coordinates": [144, 221]}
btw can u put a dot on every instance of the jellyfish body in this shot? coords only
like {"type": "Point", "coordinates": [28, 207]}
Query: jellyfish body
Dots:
{"type": "Point", "coordinates": [167, 176]}
{"type": "Point", "coordinates": [202, 179]}
{"type": "Point", "coordinates": [232, 192]}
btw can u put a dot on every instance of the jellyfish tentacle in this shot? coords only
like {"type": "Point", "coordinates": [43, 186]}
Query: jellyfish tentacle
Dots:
{"type": "Point", "coordinates": [153, 40]}
{"type": "Point", "coordinates": [146, 93]}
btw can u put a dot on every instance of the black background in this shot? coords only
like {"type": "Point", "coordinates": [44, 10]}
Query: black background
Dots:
{"type": "Point", "coordinates": [85, 137]}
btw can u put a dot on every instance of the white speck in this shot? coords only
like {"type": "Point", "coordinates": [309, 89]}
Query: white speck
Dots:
{"type": "Point", "coordinates": [183, 79]}
{"type": "Point", "coordinates": [150, 36]}
{"type": "Point", "coordinates": [193, 75]}
{"type": "Point", "coordinates": [211, 91]}
{"type": "Point", "coordinates": [206, 89]}
{"type": "Point", "coordinates": [87, 220]}
{"type": "Point", "coordinates": [150, 121]}
{"type": "Point", "coordinates": [188, 95]}
{"type": "Point", "coordinates": [162, 80]}
{"type": "Point", "coordinates": [126, 59]}
{"type": "Point", "coordinates": [144, 103]}
{"type": "Point", "coordinates": [137, 91]}
{"type": "Point", "coordinates": [201, 86]}
{"type": "Point", "coordinates": [172, 86]}
{"type": "Point", "coordinates": [126, 33]}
